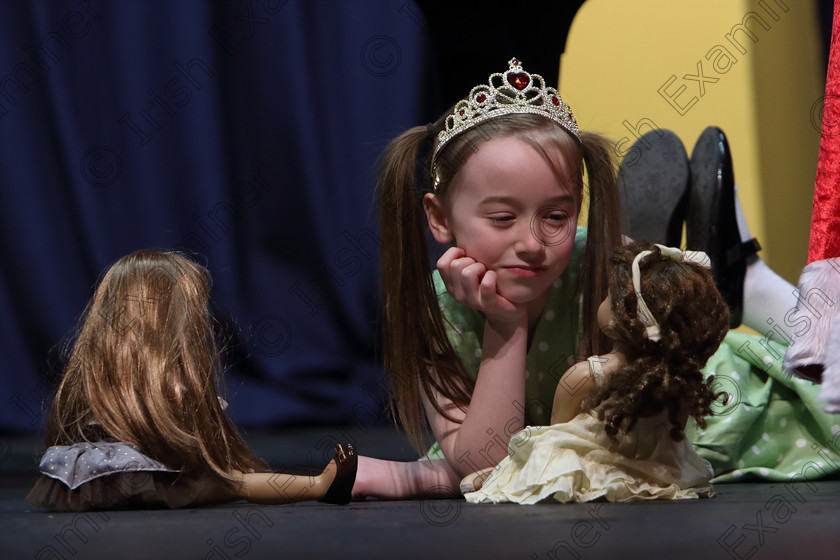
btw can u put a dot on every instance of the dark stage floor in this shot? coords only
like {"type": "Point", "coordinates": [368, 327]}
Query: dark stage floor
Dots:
{"type": "Point", "coordinates": [749, 520]}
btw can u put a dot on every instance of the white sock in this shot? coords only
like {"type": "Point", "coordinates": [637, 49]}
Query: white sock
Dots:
{"type": "Point", "coordinates": [767, 296]}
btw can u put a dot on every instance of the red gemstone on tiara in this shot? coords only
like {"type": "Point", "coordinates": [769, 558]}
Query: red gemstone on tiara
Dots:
{"type": "Point", "coordinates": [519, 80]}
{"type": "Point", "coordinates": [481, 98]}
{"type": "Point", "coordinates": [461, 112]}
{"type": "Point", "coordinates": [555, 100]}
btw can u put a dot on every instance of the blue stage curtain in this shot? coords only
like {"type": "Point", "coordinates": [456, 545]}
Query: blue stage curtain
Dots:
{"type": "Point", "coordinates": [243, 132]}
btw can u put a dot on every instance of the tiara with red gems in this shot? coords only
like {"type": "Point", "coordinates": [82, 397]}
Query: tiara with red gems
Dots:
{"type": "Point", "coordinates": [513, 92]}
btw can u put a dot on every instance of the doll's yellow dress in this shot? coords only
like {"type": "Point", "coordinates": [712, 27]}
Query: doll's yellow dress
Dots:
{"type": "Point", "coordinates": [578, 462]}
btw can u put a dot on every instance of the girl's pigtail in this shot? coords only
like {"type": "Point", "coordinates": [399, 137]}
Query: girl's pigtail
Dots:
{"type": "Point", "coordinates": [405, 269]}
{"type": "Point", "coordinates": [417, 355]}
{"type": "Point", "coordinates": [603, 236]}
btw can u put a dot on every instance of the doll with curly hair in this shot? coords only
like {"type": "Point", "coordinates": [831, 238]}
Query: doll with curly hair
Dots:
{"type": "Point", "coordinates": [618, 420]}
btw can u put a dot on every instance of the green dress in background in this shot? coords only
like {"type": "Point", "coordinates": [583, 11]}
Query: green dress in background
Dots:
{"type": "Point", "coordinates": [772, 428]}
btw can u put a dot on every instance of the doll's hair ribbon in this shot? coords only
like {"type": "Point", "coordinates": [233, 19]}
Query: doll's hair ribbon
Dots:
{"type": "Point", "coordinates": [645, 316]}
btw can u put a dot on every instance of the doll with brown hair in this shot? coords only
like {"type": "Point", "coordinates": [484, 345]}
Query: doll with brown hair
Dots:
{"type": "Point", "coordinates": [618, 420]}
{"type": "Point", "coordinates": [137, 420]}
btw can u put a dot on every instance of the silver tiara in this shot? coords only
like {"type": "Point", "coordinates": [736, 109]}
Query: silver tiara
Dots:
{"type": "Point", "coordinates": [514, 92]}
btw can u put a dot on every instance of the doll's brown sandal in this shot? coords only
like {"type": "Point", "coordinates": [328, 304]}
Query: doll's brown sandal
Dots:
{"type": "Point", "coordinates": [346, 462]}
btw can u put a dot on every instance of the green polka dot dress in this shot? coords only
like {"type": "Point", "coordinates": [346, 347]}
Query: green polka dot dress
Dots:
{"type": "Point", "coordinates": [773, 427]}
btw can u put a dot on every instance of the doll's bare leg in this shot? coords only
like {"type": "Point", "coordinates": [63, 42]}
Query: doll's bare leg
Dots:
{"type": "Point", "coordinates": [281, 488]}
{"type": "Point", "coordinates": [332, 485]}
{"type": "Point", "coordinates": [394, 480]}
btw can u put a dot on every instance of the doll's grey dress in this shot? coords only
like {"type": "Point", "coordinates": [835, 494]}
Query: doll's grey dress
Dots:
{"type": "Point", "coordinates": [107, 474]}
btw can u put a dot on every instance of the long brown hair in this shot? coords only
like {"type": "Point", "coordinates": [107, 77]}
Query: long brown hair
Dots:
{"type": "Point", "coordinates": [144, 370]}
{"type": "Point", "coordinates": [419, 359]}
{"type": "Point", "coordinates": [664, 374]}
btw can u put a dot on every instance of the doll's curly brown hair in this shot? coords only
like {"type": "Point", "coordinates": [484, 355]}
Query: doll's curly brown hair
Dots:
{"type": "Point", "coordinates": [663, 374]}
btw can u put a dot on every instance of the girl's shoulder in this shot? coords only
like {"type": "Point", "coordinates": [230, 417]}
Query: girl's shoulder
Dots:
{"type": "Point", "coordinates": [580, 236]}
{"type": "Point", "coordinates": [572, 271]}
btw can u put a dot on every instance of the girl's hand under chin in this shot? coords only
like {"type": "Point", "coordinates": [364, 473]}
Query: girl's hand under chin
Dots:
{"type": "Point", "coordinates": [471, 284]}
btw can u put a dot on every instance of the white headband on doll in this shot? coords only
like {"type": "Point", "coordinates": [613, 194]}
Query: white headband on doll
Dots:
{"type": "Point", "coordinates": [645, 316]}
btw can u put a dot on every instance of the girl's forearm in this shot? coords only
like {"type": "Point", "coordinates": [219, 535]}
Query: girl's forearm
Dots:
{"type": "Point", "coordinates": [497, 407]}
